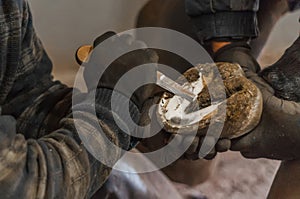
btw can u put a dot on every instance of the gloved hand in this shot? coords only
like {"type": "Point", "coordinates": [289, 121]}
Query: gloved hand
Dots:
{"type": "Point", "coordinates": [111, 47]}
{"type": "Point", "coordinates": [221, 145]}
{"type": "Point", "coordinates": [277, 136]}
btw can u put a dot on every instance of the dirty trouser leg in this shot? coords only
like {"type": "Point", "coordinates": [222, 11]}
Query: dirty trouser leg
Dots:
{"type": "Point", "coordinates": [287, 181]}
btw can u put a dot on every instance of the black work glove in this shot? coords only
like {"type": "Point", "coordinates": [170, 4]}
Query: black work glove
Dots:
{"type": "Point", "coordinates": [111, 47]}
{"type": "Point", "coordinates": [284, 75]}
{"type": "Point", "coordinates": [278, 134]}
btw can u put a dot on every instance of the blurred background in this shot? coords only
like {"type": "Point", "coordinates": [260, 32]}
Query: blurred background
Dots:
{"type": "Point", "coordinates": [65, 25]}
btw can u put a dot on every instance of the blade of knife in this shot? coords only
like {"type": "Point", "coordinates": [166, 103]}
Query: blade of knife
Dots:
{"type": "Point", "coordinates": [172, 86]}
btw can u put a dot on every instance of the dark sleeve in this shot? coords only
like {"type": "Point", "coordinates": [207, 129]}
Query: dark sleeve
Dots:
{"type": "Point", "coordinates": [48, 159]}
{"type": "Point", "coordinates": [224, 19]}
{"type": "Point", "coordinates": [42, 155]}
{"type": "Point", "coordinates": [294, 4]}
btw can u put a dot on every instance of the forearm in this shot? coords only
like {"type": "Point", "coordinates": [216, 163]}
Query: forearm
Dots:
{"type": "Point", "coordinates": [57, 164]}
{"type": "Point", "coordinates": [224, 19]}
{"type": "Point", "coordinates": [44, 156]}
{"type": "Point", "coordinates": [50, 163]}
